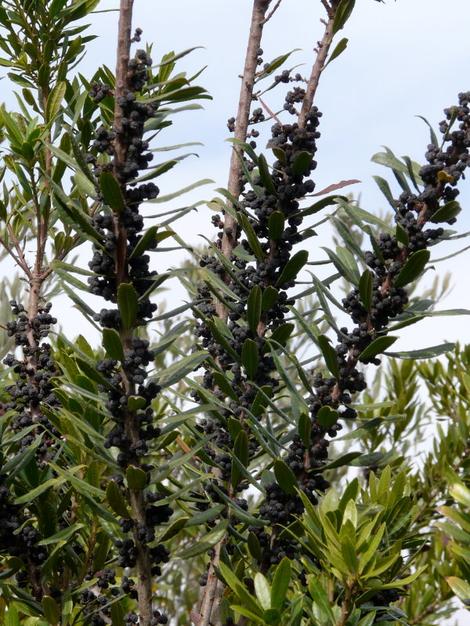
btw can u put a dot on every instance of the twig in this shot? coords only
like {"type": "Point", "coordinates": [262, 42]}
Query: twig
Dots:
{"type": "Point", "coordinates": [269, 111]}
{"type": "Point", "coordinates": [322, 53]}
{"type": "Point", "coordinates": [273, 10]}
{"type": "Point", "coordinates": [17, 260]}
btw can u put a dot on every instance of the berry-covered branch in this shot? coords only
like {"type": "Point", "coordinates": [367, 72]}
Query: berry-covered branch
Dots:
{"type": "Point", "coordinates": [124, 278]}
{"type": "Point", "coordinates": [241, 122]}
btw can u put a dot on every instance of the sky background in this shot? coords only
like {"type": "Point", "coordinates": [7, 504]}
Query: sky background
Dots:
{"type": "Point", "coordinates": [404, 59]}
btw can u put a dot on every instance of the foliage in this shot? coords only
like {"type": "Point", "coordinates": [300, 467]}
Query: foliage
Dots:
{"type": "Point", "coordinates": [197, 444]}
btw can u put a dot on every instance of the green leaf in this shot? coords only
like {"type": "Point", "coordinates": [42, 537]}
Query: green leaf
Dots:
{"type": "Point", "coordinates": [71, 215]}
{"type": "Point", "coordinates": [265, 175]}
{"type": "Point", "coordinates": [11, 616]}
{"type": "Point", "coordinates": [285, 477]}
{"type": "Point", "coordinates": [339, 49]}
{"type": "Point", "coordinates": [447, 212]}
{"type": "Point", "coordinates": [424, 353]}
{"type": "Point", "coordinates": [251, 236]}
{"type": "Point", "coordinates": [239, 589]}
{"type": "Point", "coordinates": [368, 620]}
{"type": "Point", "coordinates": [54, 101]}
{"type": "Point", "coordinates": [412, 268]}
{"type": "Point", "coordinates": [177, 371]}
{"type": "Point", "coordinates": [276, 225]}
{"type": "Point", "coordinates": [111, 192]}
{"type": "Point", "coordinates": [329, 354]}
{"type": "Point", "coordinates": [326, 417]}
{"type": "Point", "coordinates": [174, 528]}
{"type": "Point", "coordinates": [205, 543]}
{"type": "Point", "coordinates": [282, 333]}
{"type": "Point", "coordinates": [240, 451]}
{"type": "Point", "coordinates": [37, 491]}
{"type": "Point", "coordinates": [116, 499]}
{"type": "Point", "coordinates": [136, 403]}
{"type": "Point", "coordinates": [320, 598]}
{"type": "Point", "coordinates": [254, 308]}
{"type": "Point", "coordinates": [262, 590]}
{"type": "Point", "coordinates": [301, 163]}
{"type": "Point", "coordinates": [460, 587]}
{"type": "Point", "coordinates": [176, 194]}
{"type": "Point", "coordinates": [461, 493]}
{"type": "Point", "coordinates": [205, 516]}
{"type": "Point", "coordinates": [321, 204]}
{"type": "Point", "coordinates": [224, 385]}
{"type": "Point", "coordinates": [378, 346]}
{"type": "Point", "coordinates": [385, 189]}
{"type": "Point", "coordinates": [345, 459]}
{"type": "Point", "coordinates": [281, 580]}
{"type": "Point", "coordinates": [62, 536]}
{"type": "Point", "coordinates": [345, 263]}
{"type": "Point", "coordinates": [51, 610]}
{"type": "Point", "coordinates": [402, 582]}
{"type": "Point", "coordinates": [432, 133]}
{"type": "Point", "coordinates": [402, 235]}
{"type": "Point", "coordinates": [254, 546]}
{"type": "Point", "coordinates": [270, 297]}
{"type": "Point", "coordinates": [366, 283]}
{"type": "Point", "coordinates": [343, 12]}
{"type": "Point", "coordinates": [148, 241]}
{"type": "Point", "coordinates": [136, 478]}
{"type": "Point", "coordinates": [112, 344]}
{"type": "Point", "coordinates": [128, 304]}
{"type": "Point", "coordinates": [275, 64]}
{"type": "Point", "coordinates": [250, 357]}
{"type": "Point", "coordinates": [292, 268]}
{"type": "Point", "coordinates": [304, 428]}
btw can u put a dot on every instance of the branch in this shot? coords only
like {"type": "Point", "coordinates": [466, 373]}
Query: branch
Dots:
{"type": "Point", "coordinates": [273, 10]}
{"type": "Point", "coordinates": [18, 261]}
{"type": "Point", "coordinates": [136, 499]}
{"type": "Point", "coordinates": [213, 586]}
{"type": "Point", "coordinates": [318, 66]}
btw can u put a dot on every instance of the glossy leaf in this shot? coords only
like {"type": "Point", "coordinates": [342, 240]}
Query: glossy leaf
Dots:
{"type": "Point", "coordinates": [413, 268]}
{"type": "Point", "coordinates": [111, 192]}
{"type": "Point", "coordinates": [128, 304]}
{"type": "Point", "coordinates": [292, 268]}
{"type": "Point", "coordinates": [285, 477]}
{"type": "Point", "coordinates": [378, 346]}
{"type": "Point", "coordinates": [250, 357]}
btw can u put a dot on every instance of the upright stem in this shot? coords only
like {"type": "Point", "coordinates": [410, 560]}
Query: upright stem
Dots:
{"type": "Point", "coordinates": [122, 69]}
{"type": "Point", "coordinates": [136, 498]}
{"type": "Point", "coordinates": [322, 53]}
{"type": "Point", "coordinates": [208, 609]}
{"type": "Point", "coordinates": [229, 239]}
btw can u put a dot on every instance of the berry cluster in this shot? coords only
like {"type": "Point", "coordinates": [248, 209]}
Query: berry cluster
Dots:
{"type": "Point", "coordinates": [30, 393]}
{"type": "Point", "coordinates": [33, 385]}
{"type": "Point", "coordinates": [273, 213]}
